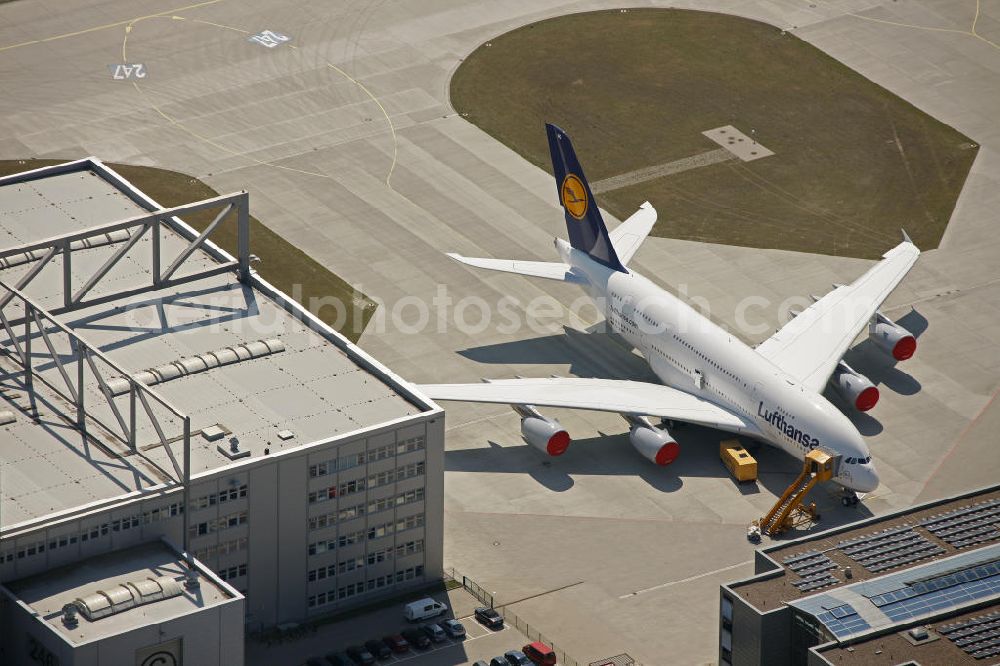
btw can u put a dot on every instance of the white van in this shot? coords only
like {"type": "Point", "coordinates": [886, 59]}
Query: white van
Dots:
{"type": "Point", "coordinates": [423, 609]}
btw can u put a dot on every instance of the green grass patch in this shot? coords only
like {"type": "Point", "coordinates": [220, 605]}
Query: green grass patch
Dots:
{"type": "Point", "coordinates": [282, 264]}
{"type": "Point", "coordinates": [853, 163]}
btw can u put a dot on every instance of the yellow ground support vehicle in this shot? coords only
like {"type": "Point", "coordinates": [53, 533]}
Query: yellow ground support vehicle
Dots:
{"type": "Point", "coordinates": [740, 464]}
{"type": "Point", "coordinates": [790, 509]}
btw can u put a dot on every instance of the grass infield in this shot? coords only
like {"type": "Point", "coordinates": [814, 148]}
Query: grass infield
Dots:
{"type": "Point", "coordinates": [281, 263]}
{"type": "Point", "coordinates": [853, 163]}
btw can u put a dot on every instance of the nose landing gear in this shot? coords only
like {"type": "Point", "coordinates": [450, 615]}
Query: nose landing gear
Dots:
{"type": "Point", "coordinates": [849, 498]}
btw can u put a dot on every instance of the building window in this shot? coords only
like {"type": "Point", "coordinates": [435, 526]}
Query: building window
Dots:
{"type": "Point", "coordinates": [351, 538]}
{"type": "Point", "coordinates": [318, 547]}
{"type": "Point", "coordinates": [410, 522]}
{"type": "Point", "coordinates": [349, 487]}
{"type": "Point", "coordinates": [323, 495]}
{"type": "Point", "coordinates": [411, 444]}
{"type": "Point", "coordinates": [233, 572]}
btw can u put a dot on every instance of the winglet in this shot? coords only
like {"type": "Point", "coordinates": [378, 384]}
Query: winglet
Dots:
{"type": "Point", "coordinates": [906, 237]}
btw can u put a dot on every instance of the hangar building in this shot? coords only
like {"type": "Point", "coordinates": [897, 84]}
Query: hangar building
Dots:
{"type": "Point", "coordinates": [183, 441]}
{"type": "Point", "coordinates": [918, 586]}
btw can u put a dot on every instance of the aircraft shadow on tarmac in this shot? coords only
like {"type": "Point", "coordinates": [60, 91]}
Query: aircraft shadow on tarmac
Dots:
{"type": "Point", "coordinates": [587, 355]}
{"type": "Point", "coordinates": [611, 455]}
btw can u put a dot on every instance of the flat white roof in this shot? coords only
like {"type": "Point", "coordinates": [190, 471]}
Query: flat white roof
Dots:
{"type": "Point", "coordinates": [46, 593]}
{"type": "Point", "coordinates": [314, 388]}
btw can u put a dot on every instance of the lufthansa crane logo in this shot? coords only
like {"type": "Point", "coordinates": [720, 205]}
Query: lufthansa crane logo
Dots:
{"type": "Point", "coordinates": [574, 196]}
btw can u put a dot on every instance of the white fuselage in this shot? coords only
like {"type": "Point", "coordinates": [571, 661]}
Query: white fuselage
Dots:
{"type": "Point", "coordinates": [690, 353]}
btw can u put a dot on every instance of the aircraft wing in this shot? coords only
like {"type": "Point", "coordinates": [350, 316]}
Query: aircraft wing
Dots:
{"type": "Point", "coordinates": [604, 395]}
{"type": "Point", "coordinates": [810, 345]}
{"type": "Point", "coordinates": [542, 269]}
{"type": "Point", "coordinates": [628, 236]}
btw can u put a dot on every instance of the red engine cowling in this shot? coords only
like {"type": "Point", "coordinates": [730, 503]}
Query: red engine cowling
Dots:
{"type": "Point", "coordinates": [543, 433]}
{"type": "Point", "coordinates": [655, 444]}
{"type": "Point", "coordinates": [854, 387]}
{"type": "Point", "coordinates": [892, 338]}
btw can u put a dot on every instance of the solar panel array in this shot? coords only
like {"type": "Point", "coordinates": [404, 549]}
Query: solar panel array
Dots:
{"type": "Point", "coordinates": [889, 548]}
{"type": "Point", "coordinates": [813, 568]}
{"type": "Point", "coordinates": [978, 636]}
{"type": "Point", "coordinates": [843, 621]}
{"type": "Point", "coordinates": [968, 525]}
{"type": "Point", "coordinates": [940, 593]}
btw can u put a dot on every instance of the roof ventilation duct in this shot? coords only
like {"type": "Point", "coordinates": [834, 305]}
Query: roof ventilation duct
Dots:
{"type": "Point", "coordinates": [200, 363]}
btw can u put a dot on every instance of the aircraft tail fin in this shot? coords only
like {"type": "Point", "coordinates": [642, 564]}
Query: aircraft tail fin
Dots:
{"type": "Point", "coordinates": [586, 228]}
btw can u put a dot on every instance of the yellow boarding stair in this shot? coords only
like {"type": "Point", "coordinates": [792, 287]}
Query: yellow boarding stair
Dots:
{"type": "Point", "coordinates": [818, 465]}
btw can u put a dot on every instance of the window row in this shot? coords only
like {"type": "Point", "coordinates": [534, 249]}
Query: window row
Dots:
{"type": "Point", "coordinates": [336, 464]}
{"type": "Point", "coordinates": [233, 572]}
{"type": "Point", "coordinates": [353, 589]}
{"type": "Point", "coordinates": [218, 524]}
{"type": "Point", "coordinates": [341, 541]}
{"type": "Point", "coordinates": [95, 531]}
{"type": "Point", "coordinates": [220, 497]}
{"type": "Point", "coordinates": [357, 459]}
{"type": "Point", "coordinates": [373, 481]}
{"type": "Point", "coordinates": [375, 506]}
{"type": "Point", "coordinates": [224, 548]}
{"type": "Point", "coordinates": [346, 488]}
{"type": "Point", "coordinates": [331, 570]}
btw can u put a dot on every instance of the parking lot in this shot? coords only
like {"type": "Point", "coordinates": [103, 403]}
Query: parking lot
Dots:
{"type": "Point", "coordinates": [479, 643]}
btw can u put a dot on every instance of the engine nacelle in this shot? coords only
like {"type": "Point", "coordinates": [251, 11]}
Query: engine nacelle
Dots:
{"type": "Point", "coordinates": [542, 433]}
{"type": "Point", "coordinates": [655, 444]}
{"type": "Point", "coordinates": [892, 338]}
{"type": "Point", "coordinates": [854, 387]}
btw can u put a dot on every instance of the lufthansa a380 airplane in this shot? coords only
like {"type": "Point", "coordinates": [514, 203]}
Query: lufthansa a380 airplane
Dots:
{"type": "Point", "coordinates": [772, 393]}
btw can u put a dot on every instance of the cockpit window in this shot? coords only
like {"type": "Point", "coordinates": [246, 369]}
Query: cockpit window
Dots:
{"type": "Point", "coordinates": [858, 461]}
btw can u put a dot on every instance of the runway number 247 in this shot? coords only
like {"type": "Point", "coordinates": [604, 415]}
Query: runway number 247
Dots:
{"type": "Point", "coordinates": [127, 72]}
{"type": "Point", "coordinates": [269, 38]}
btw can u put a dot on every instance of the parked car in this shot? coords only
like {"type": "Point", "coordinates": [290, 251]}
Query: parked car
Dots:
{"type": "Point", "coordinates": [396, 643]}
{"type": "Point", "coordinates": [359, 655]}
{"type": "Point", "coordinates": [453, 628]}
{"type": "Point", "coordinates": [489, 617]}
{"type": "Point", "coordinates": [418, 638]}
{"type": "Point", "coordinates": [423, 609]}
{"type": "Point", "coordinates": [378, 649]}
{"type": "Point", "coordinates": [499, 661]}
{"type": "Point", "coordinates": [539, 653]}
{"type": "Point", "coordinates": [335, 659]}
{"type": "Point", "coordinates": [480, 663]}
{"type": "Point", "coordinates": [434, 632]}
{"type": "Point", "coordinates": [516, 658]}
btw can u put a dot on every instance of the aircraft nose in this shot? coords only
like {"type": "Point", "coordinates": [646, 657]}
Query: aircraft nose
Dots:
{"type": "Point", "coordinates": [865, 479]}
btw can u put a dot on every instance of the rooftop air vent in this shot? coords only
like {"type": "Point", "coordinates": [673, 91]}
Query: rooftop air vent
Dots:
{"type": "Point", "coordinates": [194, 364]}
{"type": "Point", "coordinates": [124, 596]}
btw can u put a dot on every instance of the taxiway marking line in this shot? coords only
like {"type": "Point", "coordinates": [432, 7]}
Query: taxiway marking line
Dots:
{"type": "Point", "coordinates": [971, 32]}
{"type": "Point", "coordinates": [215, 144]}
{"type": "Point", "coordinates": [961, 436]}
{"type": "Point", "coordinates": [685, 580]}
{"type": "Point", "coordinates": [116, 24]}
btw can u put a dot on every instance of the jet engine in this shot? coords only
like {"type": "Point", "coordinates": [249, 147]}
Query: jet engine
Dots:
{"type": "Point", "coordinates": [655, 444]}
{"type": "Point", "coordinates": [854, 387]}
{"type": "Point", "coordinates": [891, 338]}
{"type": "Point", "coordinates": [542, 433]}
